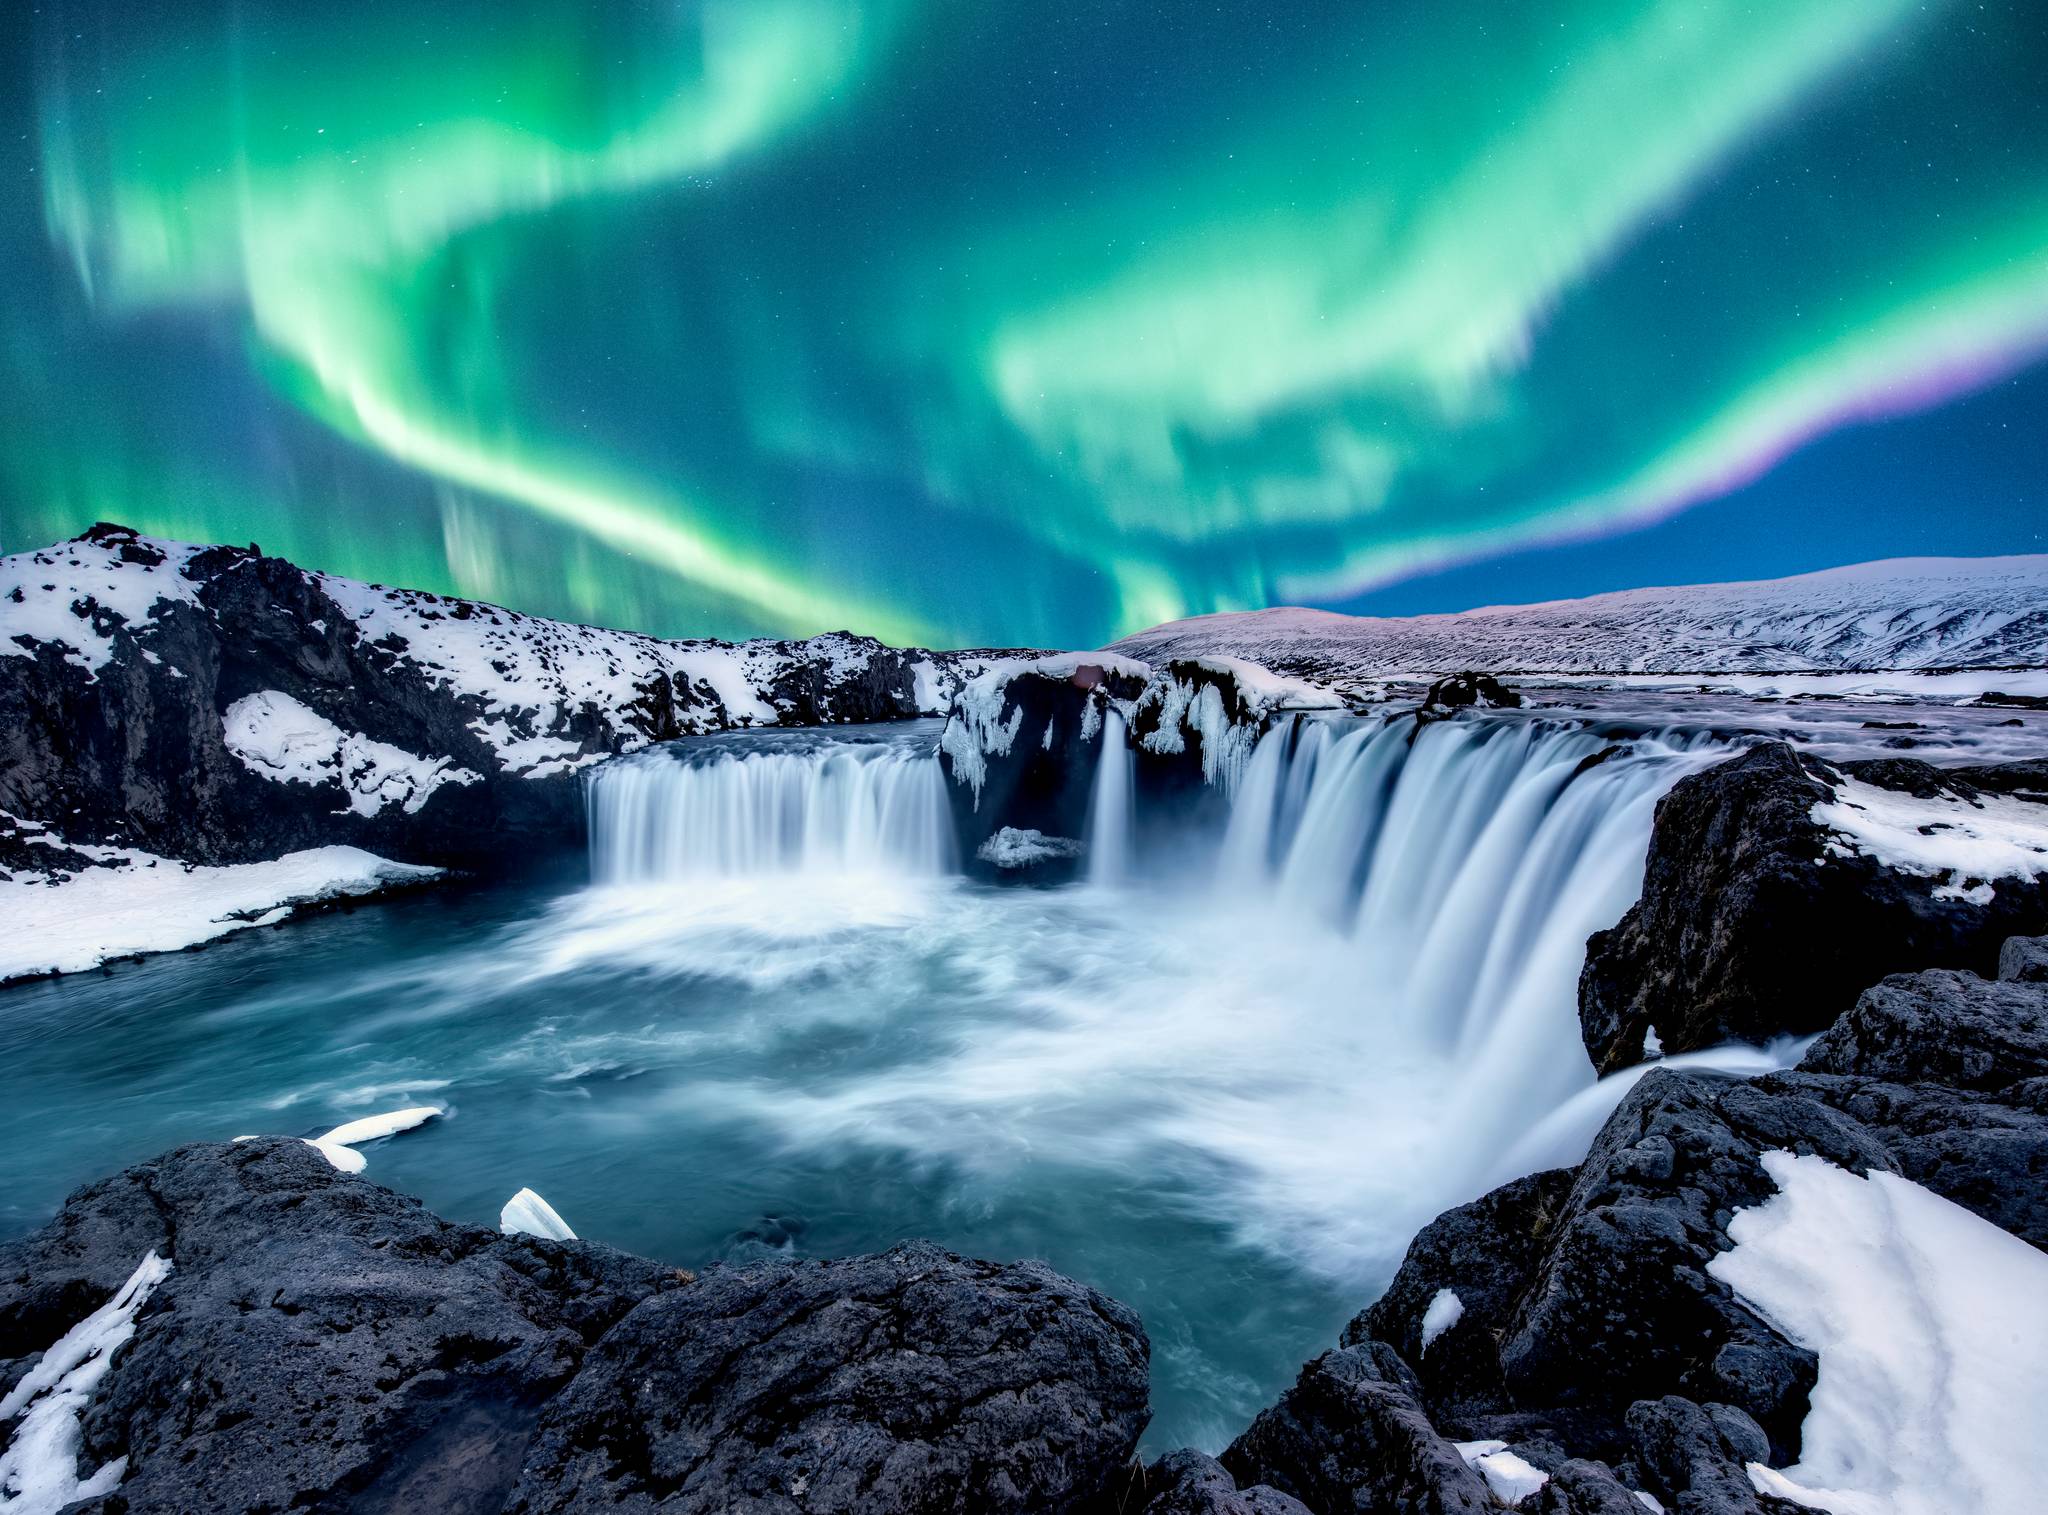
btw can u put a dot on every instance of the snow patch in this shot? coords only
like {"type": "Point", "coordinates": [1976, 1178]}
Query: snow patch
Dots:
{"type": "Point", "coordinates": [276, 736]}
{"type": "Point", "coordinates": [1969, 843]}
{"type": "Point", "coordinates": [527, 1214]}
{"type": "Point", "coordinates": [1511, 1478]}
{"type": "Point", "coordinates": [1445, 1310]}
{"type": "Point", "coordinates": [137, 902]}
{"type": "Point", "coordinates": [1931, 1326]}
{"type": "Point", "coordinates": [39, 1469]}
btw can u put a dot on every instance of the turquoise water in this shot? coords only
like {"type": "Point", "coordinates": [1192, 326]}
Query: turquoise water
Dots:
{"type": "Point", "coordinates": [1226, 1092]}
{"type": "Point", "coordinates": [719, 1092]}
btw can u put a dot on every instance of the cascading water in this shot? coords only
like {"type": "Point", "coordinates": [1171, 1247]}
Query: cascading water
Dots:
{"type": "Point", "coordinates": [833, 807]}
{"type": "Point", "coordinates": [1467, 863]}
{"type": "Point", "coordinates": [1112, 807]}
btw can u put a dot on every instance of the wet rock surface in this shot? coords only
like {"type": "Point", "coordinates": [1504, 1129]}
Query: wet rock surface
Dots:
{"type": "Point", "coordinates": [1755, 921]}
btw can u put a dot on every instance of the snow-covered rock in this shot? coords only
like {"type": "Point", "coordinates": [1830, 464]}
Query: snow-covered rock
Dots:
{"type": "Point", "coordinates": [527, 1214]}
{"type": "Point", "coordinates": [1902, 613]}
{"type": "Point", "coordinates": [221, 707]}
{"type": "Point", "coordinates": [39, 1472]}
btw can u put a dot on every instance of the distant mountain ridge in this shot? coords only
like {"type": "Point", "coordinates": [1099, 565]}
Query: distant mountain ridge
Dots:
{"type": "Point", "coordinates": [1898, 613]}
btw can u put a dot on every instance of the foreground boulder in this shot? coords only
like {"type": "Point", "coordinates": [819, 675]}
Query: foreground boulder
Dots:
{"type": "Point", "coordinates": [1775, 890]}
{"type": "Point", "coordinates": [322, 1343]}
{"type": "Point", "coordinates": [915, 1380]}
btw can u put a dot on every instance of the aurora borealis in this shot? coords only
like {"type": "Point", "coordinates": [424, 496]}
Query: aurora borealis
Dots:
{"type": "Point", "coordinates": [1008, 323]}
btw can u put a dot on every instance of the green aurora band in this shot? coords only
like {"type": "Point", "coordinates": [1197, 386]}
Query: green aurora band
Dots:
{"type": "Point", "coordinates": [967, 324]}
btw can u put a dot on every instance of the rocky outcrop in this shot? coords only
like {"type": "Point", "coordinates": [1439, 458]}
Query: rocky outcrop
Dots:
{"type": "Point", "coordinates": [322, 1343]}
{"type": "Point", "coordinates": [214, 705]}
{"type": "Point", "coordinates": [1761, 915]}
{"type": "Point", "coordinates": [1465, 691]}
{"type": "Point", "coordinates": [1021, 746]}
{"type": "Point", "coordinates": [1590, 1334]}
{"type": "Point", "coordinates": [915, 1380]}
{"type": "Point", "coordinates": [1024, 741]}
{"type": "Point", "coordinates": [1191, 1483]}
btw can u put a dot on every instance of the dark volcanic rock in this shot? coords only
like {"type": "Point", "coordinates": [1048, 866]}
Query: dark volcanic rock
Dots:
{"type": "Point", "coordinates": [1461, 691]}
{"type": "Point", "coordinates": [1351, 1436]}
{"type": "Point", "coordinates": [1189, 1483]}
{"type": "Point", "coordinates": [1940, 1027]}
{"type": "Point", "coordinates": [1485, 1252]}
{"type": "Point", "coordinates": [2024, 959]}
{"type": "Point", "coordinates": [1022, 744]}
{"type": "Point", "coordinates": [1754, 919]}
{"type": "Point", "coordinates": [321, 1343]}
{"type": "Point", "coordinates": [914, 1380]}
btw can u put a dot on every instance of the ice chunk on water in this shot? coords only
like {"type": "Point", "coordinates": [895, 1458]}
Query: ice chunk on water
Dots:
{"type": "Point", "coordinates": [370, 1127]}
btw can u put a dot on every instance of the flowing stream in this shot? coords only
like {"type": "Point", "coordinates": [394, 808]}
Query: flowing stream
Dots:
{"type": "Point", "coordinates": [777, 1020]}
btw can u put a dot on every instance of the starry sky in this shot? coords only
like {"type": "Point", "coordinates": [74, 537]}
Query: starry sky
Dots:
{"type": "Point", "coordinates": [1026, 322]}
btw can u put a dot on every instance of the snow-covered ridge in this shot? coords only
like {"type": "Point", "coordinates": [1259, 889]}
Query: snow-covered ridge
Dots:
{"type": "Point", "coordinates": [1902, 613]}
{"type": "Point", "coordinates": [543, 696]}
{"type": "Point", "coordinates": [1970, 843]}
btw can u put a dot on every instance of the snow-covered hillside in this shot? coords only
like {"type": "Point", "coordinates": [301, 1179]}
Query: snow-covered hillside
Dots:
{"type": "Point", "coordinates": [1903, 613]}
{"type": "Point", "coordinates": [216, 706]}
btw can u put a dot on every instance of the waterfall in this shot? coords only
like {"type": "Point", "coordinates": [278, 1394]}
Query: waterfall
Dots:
{"type": "Point", "coordinates": [1111, 807]}
{"type": "Point", "coordinates": [1467, 863]}
{"type": "Point", "coordinates": [849, 807]}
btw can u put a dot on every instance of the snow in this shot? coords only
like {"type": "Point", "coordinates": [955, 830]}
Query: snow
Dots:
{"type": "Point", "coordinates": [39, 1469]}
{"type": "Point", "coordinates": [1511, 1478]}
{"type": "Point", "coordinates": [527, 1214]}
{"type": "Point", "coordinates": [276, 736]}
{"type": "Point", "coordinates": [1020, 847]}
{"type": "Point", "coordinates": [1445, 1310]}
{"type": "Point", "coordinates": [42, 595]}
{"type": "Point", "coordinates": [1267, 691]}
{"type": "Point", "coordinates": [138, 902]}
{"type": "Point", "coordinates": [1908, 613]}
{"type": "Point", "coordinates": [1653, 1045]}
{"type": "Point", "coordinates": [345, 1158]}
{"type": "Point", "coordinates": [1931, 1327]}
{"type": "Point", "coordinates": [1970, 843]}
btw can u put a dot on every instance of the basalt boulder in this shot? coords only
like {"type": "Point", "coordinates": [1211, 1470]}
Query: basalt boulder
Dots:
{"type": "Point", "coordinates": [1757, 918]}
{"type": "Point", "coordinates": [322, 1343]}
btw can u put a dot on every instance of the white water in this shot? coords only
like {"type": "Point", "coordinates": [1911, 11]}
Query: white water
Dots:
{"type": "Point", "coordinates": [1112, 807]}
{"type": "Point", "coordinates": [841, 807]}
{"type": "Point", "coordinates": [1359, 996]}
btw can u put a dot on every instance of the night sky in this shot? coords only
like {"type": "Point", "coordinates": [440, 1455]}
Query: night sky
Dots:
{"type": "Point", "coordinates": [1006, 321]}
